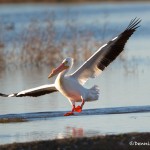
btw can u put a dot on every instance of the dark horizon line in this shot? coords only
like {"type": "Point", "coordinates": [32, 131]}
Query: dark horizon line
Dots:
{"type": "Point", "coordinates": [65, 1]}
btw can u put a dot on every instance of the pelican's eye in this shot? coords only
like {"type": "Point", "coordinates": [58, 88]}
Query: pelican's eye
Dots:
{"type": "Point", "coordinates": [66, 64]}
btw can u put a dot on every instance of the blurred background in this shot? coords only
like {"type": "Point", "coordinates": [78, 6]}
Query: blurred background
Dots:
{"type": "Point", "coordinates": [36, 35]}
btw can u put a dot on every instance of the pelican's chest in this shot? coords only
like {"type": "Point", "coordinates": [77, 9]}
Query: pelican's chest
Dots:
{"type": "Point", "coordinates": [64, 84]}
{"type": "Point", "coordinates": [67, 86]}
{"type": "Point", "coordinates": [59, 82]}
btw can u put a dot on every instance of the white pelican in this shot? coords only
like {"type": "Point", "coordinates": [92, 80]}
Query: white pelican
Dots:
{"type": "Point", "coordinates": [71, 86]}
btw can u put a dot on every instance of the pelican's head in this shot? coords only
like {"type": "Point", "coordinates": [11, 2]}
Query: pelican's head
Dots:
{"type": "Point", "coordinates": [65, 65]}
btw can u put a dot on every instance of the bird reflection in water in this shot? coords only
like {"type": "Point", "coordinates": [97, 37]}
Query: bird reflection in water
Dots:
{"type": "Point", "coordinates": [74, 132]}
{"type": "Point", "coordinates": [77, 132]}
{"type": "Point", "coordinates": [71, 132]}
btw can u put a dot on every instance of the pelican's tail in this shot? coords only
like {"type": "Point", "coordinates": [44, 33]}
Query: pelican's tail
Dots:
{"type": "Point", "coordinates": [93, 93]}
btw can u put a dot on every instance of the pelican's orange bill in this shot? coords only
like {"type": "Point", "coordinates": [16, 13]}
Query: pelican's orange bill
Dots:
{"type": "Point", "coordinates": [57, 70]}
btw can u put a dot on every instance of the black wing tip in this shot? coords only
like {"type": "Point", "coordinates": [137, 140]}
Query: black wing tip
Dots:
{"type": "Point", "coordinates": [134, 24]}
{"type": "Point", "coordinates": [8, 95]}
{"type": "Point", "coordinates": [28, 94]}
{"type": "Point", "coordinates": [3, 95]}
{"type": "Point", "coordinates": [31, 94]}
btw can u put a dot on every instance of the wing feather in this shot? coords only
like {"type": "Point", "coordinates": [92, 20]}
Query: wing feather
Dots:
{"type": "Point", "coordinates": [105, 54]}
{"type": "Point", "coordinates": [34, 92]}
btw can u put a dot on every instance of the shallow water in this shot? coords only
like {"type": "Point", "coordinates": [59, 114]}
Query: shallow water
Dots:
{"type": "Point", "coordinates": [123, 83]}
{"type": "Point", "coordinates": [75, 126]}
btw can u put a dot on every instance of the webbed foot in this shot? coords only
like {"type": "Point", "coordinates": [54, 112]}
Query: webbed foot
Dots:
{"type": "Point", "coordinates": [69, 114]}
{"type": "Point", "coordinates": [78, 109]}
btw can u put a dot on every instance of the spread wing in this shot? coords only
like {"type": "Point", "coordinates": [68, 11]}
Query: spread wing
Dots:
{"type": "Point", "coordinates": [34, 92]}
{"type": "Point", "coordinates": [105, 54]}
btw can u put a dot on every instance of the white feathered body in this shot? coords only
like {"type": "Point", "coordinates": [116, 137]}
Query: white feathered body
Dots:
{"type": "Point", "coordinates": [73, 90]}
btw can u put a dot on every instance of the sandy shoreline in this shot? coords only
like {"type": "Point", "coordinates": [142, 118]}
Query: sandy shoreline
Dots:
{"type": "Point", "coordinates": [109, 142]}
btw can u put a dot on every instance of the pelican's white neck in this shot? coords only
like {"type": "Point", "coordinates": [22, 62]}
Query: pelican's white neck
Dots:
{"type": "Point", "coordinates": [63, 73]}
{"type": "Point", "coordinates": [68, 62]}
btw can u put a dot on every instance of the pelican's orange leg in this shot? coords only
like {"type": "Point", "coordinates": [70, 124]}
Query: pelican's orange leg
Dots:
{"type": "Point", "coordinates": [71, 112]}
{"type": "Point", "coordinates": [79, 108]}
